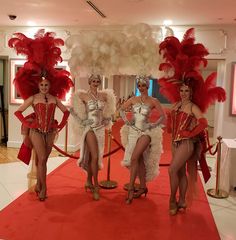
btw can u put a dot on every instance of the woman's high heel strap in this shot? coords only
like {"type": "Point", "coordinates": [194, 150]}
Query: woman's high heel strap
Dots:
{"type": "Point", "coordinates": [130, 196]}
{"type": "Point", "coordinates": [140, 192]}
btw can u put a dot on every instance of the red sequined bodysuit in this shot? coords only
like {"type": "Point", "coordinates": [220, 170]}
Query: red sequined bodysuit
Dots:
{"type": "Point", "coordinates": [43, 117]}
{"type": "Point", "coordinates": [181, 121]}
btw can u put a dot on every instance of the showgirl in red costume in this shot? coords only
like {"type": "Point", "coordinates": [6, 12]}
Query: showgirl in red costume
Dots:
{"type": "Point", "coordinates": [184, 86]}
{"type": "Point", "coordinates": [41, 86]}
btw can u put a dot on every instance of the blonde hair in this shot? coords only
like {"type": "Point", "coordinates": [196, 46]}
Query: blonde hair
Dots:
{"type": "Point", "coordinates": [94, 76]}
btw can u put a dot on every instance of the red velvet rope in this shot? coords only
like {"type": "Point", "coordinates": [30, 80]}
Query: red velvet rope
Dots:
{"type": "Point", "coordinates": [118, 143]}
{"type": "Point", "coordinates": [210, 146]}
{"type": "Point", "coordinates": [105, 155]}
{"type": "Point", "coordinates": [64, 153]}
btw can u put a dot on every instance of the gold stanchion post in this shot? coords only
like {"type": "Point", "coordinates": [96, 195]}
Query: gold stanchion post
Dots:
{"type": "Point", "coordinates": [217, 192]}
{"type": "Point", "coordinates": [32, 175]}
{"type": "Point", "coordinates": [108, 184]}
{"type": "Point", "coordinates": [66, 137]}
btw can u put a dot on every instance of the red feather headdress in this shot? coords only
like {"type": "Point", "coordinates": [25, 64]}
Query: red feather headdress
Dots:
{"type": "Point", "coordinates": [183, 61]}
{"type": "Point", "coordinates": [42, 54]}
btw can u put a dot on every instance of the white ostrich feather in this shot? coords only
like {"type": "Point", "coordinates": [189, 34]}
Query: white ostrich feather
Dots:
{"type": "Point", "coordinates": [110, 106]}
{"type": "Point", "coordinates": [96, 51]}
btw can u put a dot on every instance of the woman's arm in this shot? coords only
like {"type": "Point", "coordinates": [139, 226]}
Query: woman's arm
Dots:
{"type": "Point", "coordinates": [28, 102]}
{"type": "Point", "coordinates": [162, 117]}
{"type": "Point", "coordinates": [66, 113]}
{"type": "Point", "coordinates": [127, 104]}
{"type": "Point", "coordinates": [61, 106]}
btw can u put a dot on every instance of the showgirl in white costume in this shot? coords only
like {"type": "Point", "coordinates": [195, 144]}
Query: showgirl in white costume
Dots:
{"type": "Point", "coordinates": [92, 110]}
{"type": "Point", "coordinates": [142, 139]}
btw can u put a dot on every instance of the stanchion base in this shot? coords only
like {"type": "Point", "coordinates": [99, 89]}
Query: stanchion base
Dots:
{"type": "Point", "coordinates": [220, 194]}
{"type": "Point", "coordinates": [108, 184]}
{"type": "Point", "coordinates": [136, 187]}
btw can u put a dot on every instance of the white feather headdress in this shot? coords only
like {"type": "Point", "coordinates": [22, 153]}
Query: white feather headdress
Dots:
{"type": "Point", "coordinates": [97, 52]}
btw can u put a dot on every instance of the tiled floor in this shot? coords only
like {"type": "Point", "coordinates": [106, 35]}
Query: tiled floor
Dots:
{"type": "Point", "coordinates": [13, 178]}
{"type": "Point", "coordinates": [223, 210]}
{"type": "Point", "coordinates": [13, 182]}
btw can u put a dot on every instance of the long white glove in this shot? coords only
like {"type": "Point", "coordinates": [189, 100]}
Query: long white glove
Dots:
{"type": "Point", "coordinates": [158, 123]}
{"type": "Point", "coordinates": [123, 116]}
{"type": "Point", "coordinates": [85, 122]}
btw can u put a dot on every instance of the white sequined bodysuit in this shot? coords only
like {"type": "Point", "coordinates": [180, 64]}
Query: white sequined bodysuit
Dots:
{"type": "Point", "coordinates": [95, 112]}
{"type": "Point", "coordinates": [141, 113]}
{"type": "Point", "coordinates": [92, 116]}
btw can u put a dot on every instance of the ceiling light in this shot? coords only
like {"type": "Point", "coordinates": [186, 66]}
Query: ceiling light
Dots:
{"type": "Point", "coordinates": [167, 22]}
{"type": "Point", "coordinates": [31, 23]}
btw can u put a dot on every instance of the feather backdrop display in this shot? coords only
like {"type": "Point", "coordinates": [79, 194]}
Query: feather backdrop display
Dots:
{"type": "Point", "coordinates": [141, 56]}
{"type": "Point", "coordinates": [183, 61]}
{"type": "Point", "coordinates": [97, 52]}
{"type": "Point", "coordinates": [134, 50]}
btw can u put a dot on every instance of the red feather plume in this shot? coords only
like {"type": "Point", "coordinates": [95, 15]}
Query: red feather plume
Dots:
{"type": "Point", "coordinates": [183, 60]}
{"type": "Point", "coordinates": [43, 54]}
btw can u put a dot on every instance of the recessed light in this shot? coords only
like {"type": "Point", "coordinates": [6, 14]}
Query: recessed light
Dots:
{"type": "Point", "coordinates": [167, 22]}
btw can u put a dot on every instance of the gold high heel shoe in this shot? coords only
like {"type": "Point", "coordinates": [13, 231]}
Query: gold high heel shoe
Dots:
{"type": "Point", "coordinates": [173, 208]}
{"type": "Point", "coordinates": [130, 196]}
{"type": "Point", "coordinates": [89, 186]}
{"type": "Point", "coordinates": [95, 191]}
{"type": "Point", "coordinates": [140, 192]}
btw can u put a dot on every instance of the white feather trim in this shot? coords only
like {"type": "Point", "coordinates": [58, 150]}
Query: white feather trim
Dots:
{"type": "Point", "coordinates": [78, 106]}
{"type": "Point", "coordinates": [110, 106]}
{"type": "Point", "coordinates": [124, 132]}
{"type": "Point", "coordinates": [151, 155]}
{"type": "Point", "coordinates": [79, 113]}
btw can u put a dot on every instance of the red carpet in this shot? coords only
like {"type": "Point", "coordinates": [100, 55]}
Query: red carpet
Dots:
{"type": "Point", "coordinates": [70, 213]}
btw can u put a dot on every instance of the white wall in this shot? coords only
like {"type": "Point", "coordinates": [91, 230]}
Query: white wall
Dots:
{"type": "Point", "coordinates": [214, 38]}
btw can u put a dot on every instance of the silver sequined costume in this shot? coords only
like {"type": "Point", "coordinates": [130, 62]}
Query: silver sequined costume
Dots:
{"type": "Point", "coordinates": [130, 135]}
{"type": "Point", "coordinates": [96, 111]}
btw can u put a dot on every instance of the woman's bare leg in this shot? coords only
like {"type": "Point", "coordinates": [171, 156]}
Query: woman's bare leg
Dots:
{"type": "Point", "coordinates": [41, 152]}
{"type": "Point", "coordinates": [142, 173]}
{"type": "Point", "coordinates": [181, 154]}
{"type": "Point", "coordinates": [89, 172]}
{"type": "Point", "coordinates": [92, 144]}
{"type": "Point", "coordinates": [183, 185]}
{"type": "Point", "coordinates": [49, 143]}
{"type": "Point", "coordinates": [38, 183]}
{"type": "Point", "coordinates": [141, 145]}
{"type": "Point", "coordinates": [43, 146]}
